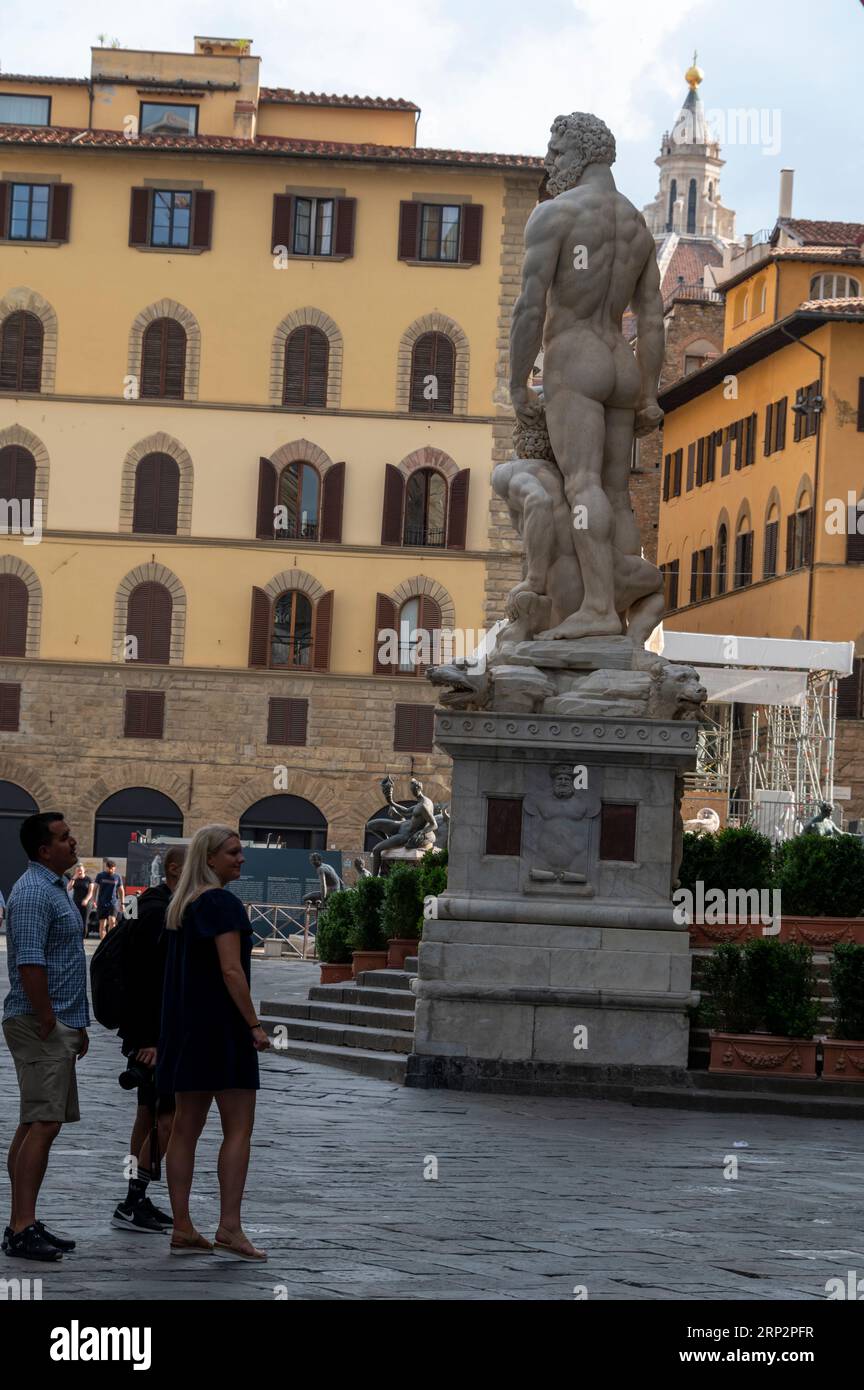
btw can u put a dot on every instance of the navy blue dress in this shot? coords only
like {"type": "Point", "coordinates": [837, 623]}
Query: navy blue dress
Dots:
{"type": "Point", "coordinates": [205, 1043]}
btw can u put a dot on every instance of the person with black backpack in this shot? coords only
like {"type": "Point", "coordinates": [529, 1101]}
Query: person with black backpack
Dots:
{"type": "Point", "coordinates": [126, 975]}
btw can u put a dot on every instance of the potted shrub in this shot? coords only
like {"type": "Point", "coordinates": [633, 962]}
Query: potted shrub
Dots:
{"type": "Point", "coordinates": [843, 1054]}
{"type": "Point", "coordinates": [332, 937]}
{"type": "Point", "coordinates": [366, 937]}
{"type": "Point", "coordinates": [761, 1008]}
{"type": "Point", "coordinates": [736, 858]}
{"type": "Point", "coordinates": [402, 912]}
{"type": "Point", "coordinates": [821, 877]}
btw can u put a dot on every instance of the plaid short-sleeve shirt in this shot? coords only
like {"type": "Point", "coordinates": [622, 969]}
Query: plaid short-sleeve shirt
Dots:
{"type": "Point", "coordinates": [43, 927]}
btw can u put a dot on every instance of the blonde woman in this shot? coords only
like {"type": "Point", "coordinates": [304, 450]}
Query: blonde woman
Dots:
{"type": "Point", "coordinates": [210, 1037]}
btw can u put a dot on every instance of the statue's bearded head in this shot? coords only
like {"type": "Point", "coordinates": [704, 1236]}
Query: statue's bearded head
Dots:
{"type": "Point", "coordinates": [576, 141]}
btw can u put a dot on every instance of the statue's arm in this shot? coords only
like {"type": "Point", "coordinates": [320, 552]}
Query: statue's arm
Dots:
{"type": "Point", "coordinates": [647, 305]}
{"type": "Point", "coordinates": [529, 312]}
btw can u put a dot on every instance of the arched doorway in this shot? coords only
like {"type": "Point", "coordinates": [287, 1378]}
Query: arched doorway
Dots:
{"type": "Point", "coordinates": [15, 806]}
{"type": "Point", "coordinates": [286, 820]}
{"type": "Point", "coordinates": [133, 811]}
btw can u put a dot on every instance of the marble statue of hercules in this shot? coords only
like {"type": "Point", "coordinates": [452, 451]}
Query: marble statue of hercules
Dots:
{"type": "Point", "coordinates": [588, 255]}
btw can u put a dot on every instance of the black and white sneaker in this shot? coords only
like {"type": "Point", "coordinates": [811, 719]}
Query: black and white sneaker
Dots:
{"type": "Point", "coordinates": [129, 1217]}
{"type": "Point", "coordinates": [164, 1218]}
{"type": "Point", "coordinates": [30, 1244]}
{"type": "Point", "coordinates": [59, 1242]}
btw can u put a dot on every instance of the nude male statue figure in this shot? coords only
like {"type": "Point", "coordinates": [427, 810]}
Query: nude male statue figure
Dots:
{"type": "Point", "coordinates": [588, 255]}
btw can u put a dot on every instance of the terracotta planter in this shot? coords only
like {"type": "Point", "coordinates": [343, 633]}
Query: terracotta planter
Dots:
{"type": "Point", "coordinates": [368, 960]}
{"type": "Point", "coordinates": [822, 933]}
{"type": "Point", "coordinates": [762, 1054]}
{"type": "Point", "coordinates": [332, 974]}
{"type": "Point", "coordinates": [719, 933]}
{"type": "Point", "coordinates": [399, 948]}
{"type": "Point", "coordinates": [842, 1060]}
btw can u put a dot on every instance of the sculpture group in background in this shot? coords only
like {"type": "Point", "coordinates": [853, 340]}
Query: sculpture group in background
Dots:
{"type": "Point", "coordinates": [578, 621]}
{"type": "Point", "coordinates": [705, 822]}
{"type": "Point", "coordinates": [822, 822]}
{"type": "Point", "coordinates": [410, 829]}
{"type": "Point", "coordinates": [328, 881]}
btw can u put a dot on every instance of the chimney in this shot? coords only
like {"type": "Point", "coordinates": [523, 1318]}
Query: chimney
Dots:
{"type": "Point", "coordinates": [786, 178]}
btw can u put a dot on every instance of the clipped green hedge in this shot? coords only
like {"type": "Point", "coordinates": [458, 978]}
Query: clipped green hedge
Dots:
{"type": "Point", "coordinates": [821, 876]}
{"type": "Point", "coordinates": [367, 898]}
{"type": "Point", "coordinates": [765, 985]}
{"type": "Point", "coordinates": [335, 923]}
{"type": "Point", "coordinates": [847, 986]}
{"type": "Point", "coordinates": [402, 909]}
{"type": "Point", "coordinates": [736, 857]}
{"type": "Point", "coordinates": [433, 873]}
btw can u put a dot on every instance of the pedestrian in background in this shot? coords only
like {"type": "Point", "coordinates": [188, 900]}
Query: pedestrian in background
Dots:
{"type": "Point", "coordinates": [210, 1037]}
{"type": "Point", "coordinates": [109, 897]}
{"type": "Point", "coordinates": [81, 891]}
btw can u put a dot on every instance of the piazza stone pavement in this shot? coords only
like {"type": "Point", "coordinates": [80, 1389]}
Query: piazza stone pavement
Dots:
{"type": "Point", "coordinates": [534, 1198]}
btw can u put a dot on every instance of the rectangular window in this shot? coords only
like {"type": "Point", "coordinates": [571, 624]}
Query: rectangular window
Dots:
{"type": "Point", "coordinates": [769, 430]}
{"type": "Point", "coordinates": [618, 832]}
{"type": "Point", "coordinates": [144, 715]}
{"type": "Point", "coordinates": [726, 455]}
{"type": "Point", "coordinates": [313, 227]}
{"type": "Point", "coordinates": [439, 232]}
{"type": "Point", "coordinates": [806, 416]}
{"type": "Point", "coordinates": [849, 692]}
{"type": "Point", "coordinates": [29, 211]}
{"type": "Point", "coordinates": [23, 110]}
{"type": "Point", "coordinates": [10, 707]}
{"type": "Point", "coordinates": [700, 461]}
{"type": "Point", "coordinates": [743, 560]}
{"type": "Point", "coordinates": [413, 729]}
{"type": "Point", "coordinates": [711, 442]}
{"type": "Point", "coordinates": [691, 465]}
{"type": "Point", "coordinates": [679, 462]}
{"type": "Point", "coordinates": [667, 476]}
{"type": "Point", "coordinates": [171, 218]}
{"type": "Point", "coordinates": [286, 722]}
{"type": "Point", "coordinates": [780, 410]}
{"type": "Point", "coordinates": [707, 571]}
{"type": "Point", "coordinates": [503, 825]}
{"type": "Point", "coordinates": [167, 118]}
{"type": "Point", "coordinates": [750, 426]}
{"type": "Point", "coordinates": [771, 535]}
{"type": "Point", "coordinates": [670, 584]}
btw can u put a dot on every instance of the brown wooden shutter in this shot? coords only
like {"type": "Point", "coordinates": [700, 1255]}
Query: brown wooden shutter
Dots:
{"type": "Point", "coordinates": [805, 521]}
{"type": "Point", "coordinates": [202, 220]}
{"type": "Point", "coordinates": [322, 628]}
{"type": "Point", "coordinates": [144, 714]}
{"type": "Point", "coordinates": [157, 495]}
{"type": "Point", "coordinates": [414, 727]}
{"type": "Point", "coordinates": [268, 483]}
{"type": "Point", "coordinates": [283, 221]}
{"type": "Point", "coordinates": [4, 209]}
{"type": "Point", "coordinates": [861, 402]}
{"type": "Point", "coordinates": [163, 360]}
{"type": "Point", "coordinates": [768, 443]}
{"type": "Point", "coordinates": [700, 461]}
{"type": "Point", "coordinates": [14, 602]}
{"type": "Point", "coordinates": [799, 418]}
{"type": "Point", "coordinates": [409, 231]}
{"type": "Point", "coordinates": [332, 497]}
{"type": "Point", "coordinates": [855, 547]}
{"type": "Point", "coordinates": [790, 542]}
{"type": "Point", "coordinates": [679, 460]}
{"type": "Point", "coordinates": [260, 626]}
{"type": "Point", "coordinates": [286, 721]}
{"type": "Point", "coordinates": [707, 571]}
{"type": "Point", "coordinates": [149, 619]}
{"type": "Point", "coordinates": [385, 621]}
{"type": "Point", "coordinates": [694, 576]}
{"type": "Point", "coordinates": [61, 202]}
{"type": "Point", "coordinates": [394, 501]}
{"type": "Point", "coordinates": [307, 355]}
{"type": "Point", "coordinates": [457, 518]}
{"type": "Point", "coordinates": [471, 229]}
{"type": "Point", "coordinates": [780, 412]}
{"type": "Point", "coordinates": [17, 474]}
{"type": "Point", "coordinates": [429, 621]}
{"type": "Point", "coordinates": [751, 427]}
{"type": "Point", "coordinates": [667, 471]}
{"type": "Point", "coordinates": [691, 465]}
{"type": "Point", "coordinates": [345, 214]}
{"type": "Point", "coordinates": [849, 692]}
{"type": "Point", "coordinates": [10, 707]}
{"type": "Point", "coordinates": [139, 217]}
{"type": "Point", "coordinates": [21, 352]}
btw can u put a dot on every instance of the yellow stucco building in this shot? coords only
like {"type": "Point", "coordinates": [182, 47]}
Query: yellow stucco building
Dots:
{"type": "Point", "coordinates": [252, 369]}
{"type": "Point", "coordinates": [760, 531]}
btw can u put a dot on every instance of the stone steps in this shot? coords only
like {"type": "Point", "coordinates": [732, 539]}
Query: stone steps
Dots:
{"type": "Point", "coordinates": [385, 1066]}
{"type": "Point", "coordinates": [366, 995]}
{"type": "Point", "coordinates": [356, 1015]}
{"type": "Point", "coordinates": [777, 1101]}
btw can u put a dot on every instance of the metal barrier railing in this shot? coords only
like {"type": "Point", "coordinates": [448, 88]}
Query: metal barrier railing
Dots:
{"type": "Point", "coordinates": [293, 925]}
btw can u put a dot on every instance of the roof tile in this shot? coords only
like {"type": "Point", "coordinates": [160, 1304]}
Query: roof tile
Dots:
{"type": "Point", "coordinates": [823, 233]}
{"type": "Point", "coordinates": [286, 96]}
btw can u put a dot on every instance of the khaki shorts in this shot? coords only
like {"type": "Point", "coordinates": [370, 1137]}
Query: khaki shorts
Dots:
{"type": "Point", "coordinates": [46, 1070]}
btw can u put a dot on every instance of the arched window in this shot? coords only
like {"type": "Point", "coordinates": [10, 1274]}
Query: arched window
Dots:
{"type": "Point", "coordinates": [834, 287]}
{"type": "Point", "coordinates": [163, 360]}
{"type": "Point", "coordinates": [14, 604]}
{"type": "Point", "coordinates": [299, 495]}
{"type": "Point", "coordinates": [157, 495]}
{"type": "Point", "coordinates": [149, 621]}
{"type": "Point", "coordinates": [15, 805]}
{"type": "Point", "coordinates": [425, 508]}
{"type": "Point", "coordinates": [289, 821]}
{"type": "Point", "coordinates": [433, 372]}
{"type": "Point", "coordinates": [673, 194]}
{"type": "Point", "coordinates": [772, 532]}
{"type": "Point", "coordinates": [722, 559]}
{"type": "Point", "coordinates": [291, 635]}
{"type": "Point", "coordinates": [710, 191]}
{"type": "Point", "coordinates": [691, 206]}
{"type": "Point", "coordinates": [743, 572]}
{"type": "Point", "coordinates": [130, 812]}
{"type": "Point", "coordinates": [419, 622]}
{"type": "Point", "coordinates": [17, 475]}
{"type": "Point", "coordinates": [21, 340]}
{"type": "Point", "coordinates": [307, 356]}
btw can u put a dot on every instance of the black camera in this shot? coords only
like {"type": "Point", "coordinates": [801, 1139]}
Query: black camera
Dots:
{"type": "Point", "coordinates": [136, 1074]}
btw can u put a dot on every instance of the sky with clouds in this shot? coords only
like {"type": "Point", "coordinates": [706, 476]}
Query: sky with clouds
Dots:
{"type": "Point", "coordinates": [491, 74]}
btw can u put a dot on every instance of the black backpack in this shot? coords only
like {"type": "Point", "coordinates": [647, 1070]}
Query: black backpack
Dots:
{"type": "Point", "coordinates": [108, 975]}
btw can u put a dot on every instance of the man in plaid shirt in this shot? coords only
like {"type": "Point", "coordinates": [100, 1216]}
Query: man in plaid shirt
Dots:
{"type": "Point", "coordinates": [45, 1017]}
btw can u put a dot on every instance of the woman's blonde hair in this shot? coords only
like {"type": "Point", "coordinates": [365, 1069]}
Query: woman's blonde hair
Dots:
{"type": "Point", "coordinates": [197, 876]}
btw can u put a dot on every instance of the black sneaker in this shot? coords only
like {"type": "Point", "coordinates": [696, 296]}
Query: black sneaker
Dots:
{"type": "Point", "coordinates": [164, 1218]}
{"type": "Point", "coordinates": [129, 1217]}
{"type": "Point", "coordinates": [30, 1244]}
{"type": "Point", "coordinates": [59, 1242]}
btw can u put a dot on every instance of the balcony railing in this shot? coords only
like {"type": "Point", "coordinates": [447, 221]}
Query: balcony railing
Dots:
{"type": "Point", "coordinates": [423, 535]}
{"type": "Point", "coordinates": [297, 531]}
{"type": "Point", "coordinates": [700, 293]}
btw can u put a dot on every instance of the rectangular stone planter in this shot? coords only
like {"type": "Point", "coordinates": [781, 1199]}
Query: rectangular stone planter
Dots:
{"type": "Point", "coordinates": [399, 949]}
{"type": "Point", "coordinates": [368, 960]}
{"type": "Point", "coordinates": [762, 1054]}
{"type": "Point", "coordinates": [842, 1060]}
{"type": "Point", "coordinates": [335, 974]}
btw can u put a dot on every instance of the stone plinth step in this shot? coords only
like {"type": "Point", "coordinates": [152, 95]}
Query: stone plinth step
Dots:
{"type": "Point", "coordinates": [412, 964]}
{"type": "Point", "coordinates": [385, 979]}
{"type": "Point", "coordinates": [399, 999]}
{"type": "Point", "coordinates": [386, 1066]}
{"type": "Point", "coordinates": [358, 1015]}
{"type": "Point", "coordinates": [342, 1035]}
{"type": "Point", "coordinates": [825, 1106]}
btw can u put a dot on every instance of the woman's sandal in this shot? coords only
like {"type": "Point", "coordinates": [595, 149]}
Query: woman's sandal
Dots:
{"type": "Point", "coordinates": [224, 1247]}
{"type": "Point", "coordinates": [184, 1244]}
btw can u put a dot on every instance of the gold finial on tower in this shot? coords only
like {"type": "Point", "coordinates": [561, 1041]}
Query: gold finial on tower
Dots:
{"type": "Point", "coordinates": [693, 76]}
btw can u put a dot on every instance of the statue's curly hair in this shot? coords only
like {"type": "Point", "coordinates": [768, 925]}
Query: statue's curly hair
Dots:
{"type": "Point", "coordinates": [589, 141]}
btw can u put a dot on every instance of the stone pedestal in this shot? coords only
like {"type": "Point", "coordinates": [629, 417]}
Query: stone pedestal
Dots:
{"type": "Point", "coordinates": [554, 962]}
